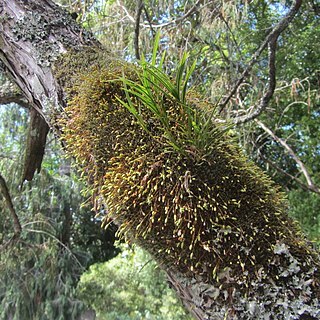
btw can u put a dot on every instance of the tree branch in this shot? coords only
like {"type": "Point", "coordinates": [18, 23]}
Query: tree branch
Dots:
{"type": "Point", "coordinates": [254, 113]}
{"type": "Point", "coordinates": [35, 145]}
{"type": "Point", "coordinates": [149, 20]}
{"type": "Point", "coordinates": [131, 18]}
{"type": "Point", "coordinates": [271, 37]}
{"type": "Point", "coordinates": [4, 190]}
{"type": "Point", "coordinates": [311, 185]}
{"type": "Point", "coordinates": [221, 237]}
{"type": "Point", "coordinates": [140, 6]}
{"type": "Point", "coordinates": [177, 20]}
{"type": "Point", "coordinates": [221, 16]}
{"type": "Point", "coordinates": [303, 185]}
{"type": "Point", "coordinates": [37, 133]}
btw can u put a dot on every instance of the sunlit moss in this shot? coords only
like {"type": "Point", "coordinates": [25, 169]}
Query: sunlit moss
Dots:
{"type": "Point", "coordinates": [198, 212]}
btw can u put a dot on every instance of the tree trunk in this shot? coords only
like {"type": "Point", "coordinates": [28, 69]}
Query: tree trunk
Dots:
{"type": "Point", "coordinates": [218, 226]}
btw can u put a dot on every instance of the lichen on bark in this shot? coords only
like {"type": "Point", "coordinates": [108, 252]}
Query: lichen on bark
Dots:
{"type": "Point", "coordinates": [43, 30]}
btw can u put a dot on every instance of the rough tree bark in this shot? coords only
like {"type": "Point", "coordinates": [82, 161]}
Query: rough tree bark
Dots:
{"type": "Point", "coordinates": [218, 226]}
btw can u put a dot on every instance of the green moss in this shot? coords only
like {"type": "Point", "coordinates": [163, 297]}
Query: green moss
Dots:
{"type": "Point", "coordinates": [198, 212]}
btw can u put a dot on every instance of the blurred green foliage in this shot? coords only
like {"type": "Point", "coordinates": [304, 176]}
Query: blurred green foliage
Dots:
{"type": "Point", "coordinates": [130, 287]}
{"type": "Point", "coordinates": [59, 240]}
{"type": "Point", "coordinates": [304, 206]}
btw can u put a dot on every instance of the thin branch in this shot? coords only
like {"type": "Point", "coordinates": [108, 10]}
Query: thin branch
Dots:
{"type": "Point", "coordinates": [230, 30]}
{"type": "Point", "coordinates": [213, 46]}
{"type": "Point", "coordinates": [140, 6]}
{"type": "Point", "coordinates": [311, 185]}
{"type": "Point", "coordinates": [303, 185]}
{"type": "Point", "coordinates": [149, 20]}
{"type": "Point", "coordinates": [161, 25]}
{"type": "Point", "coordinates": [131, 18]}
{"type": "Point", "coordinates": [179, 19]}
{"type": "Point", "coordinates": [271, 37]}
{"type": "Point", "coordinates": [255, 112]}
{"type": "Point", "coordinates": [4, 190]}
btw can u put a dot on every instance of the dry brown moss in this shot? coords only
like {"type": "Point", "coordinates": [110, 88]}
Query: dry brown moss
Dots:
{"type": "Point", "coordinates": [200, 213]}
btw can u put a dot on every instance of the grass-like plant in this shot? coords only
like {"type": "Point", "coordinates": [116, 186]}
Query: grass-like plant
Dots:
{"type": "Point", "coordinates": [185, 127]}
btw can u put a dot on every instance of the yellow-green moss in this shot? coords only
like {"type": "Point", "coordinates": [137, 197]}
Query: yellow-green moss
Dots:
{"type": "Point", "coordinates": [200, 214]}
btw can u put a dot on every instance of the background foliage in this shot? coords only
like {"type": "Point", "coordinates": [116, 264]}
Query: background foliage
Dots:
{"type": "Point", "coordinates": [130, 287]}
{"type": "Point", "coordinates": [40, 270]}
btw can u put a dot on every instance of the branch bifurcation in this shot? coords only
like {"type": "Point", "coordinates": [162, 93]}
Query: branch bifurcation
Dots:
{"type": "Point", "coordinates": [270, 41]}
{"type": "Point", "coordinates": [252, 112]}
{"type": "Point", "coordinates": [310, 184]}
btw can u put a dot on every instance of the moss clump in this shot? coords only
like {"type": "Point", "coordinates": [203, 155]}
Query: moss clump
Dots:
{"type": "Point", "coordinates": [199, 212]}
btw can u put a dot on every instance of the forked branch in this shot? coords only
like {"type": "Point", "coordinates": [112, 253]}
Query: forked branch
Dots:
{"type": "Point", "coordinates": [255, 112]}
{"type": "Point", "coordinates": [310, 184]}
{"type": "Point", "coordinates": [270, 39]}
{"type": "Point", "coordinates": [290, 176]}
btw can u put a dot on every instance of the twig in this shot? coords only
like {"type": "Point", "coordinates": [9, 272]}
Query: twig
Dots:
{"type": "Point", "coordinates": [179, 19]}
{"type": "Point", "coordinates": [303, 185]}
{"type": "Point", "coordinates": [9, 93]}
{"type": "Point", "coordinates": [311, 185]}
{"type": "Point", "coordinates": [230, 30]}
{"type": "Point", "coordinates": [255, 112]}
{"type": "Point", "coordinates": [140, 6]}
{"type": "Point", "coordinates": [271, 37]}
{"type": "Point", "coordinates": [161, 25]}
{"type": "Point", "coordinates": [149, 20]}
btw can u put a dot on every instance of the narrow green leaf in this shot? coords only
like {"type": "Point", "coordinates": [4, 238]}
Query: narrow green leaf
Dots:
{"type": "Point", "coordinates": [155, 48]}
